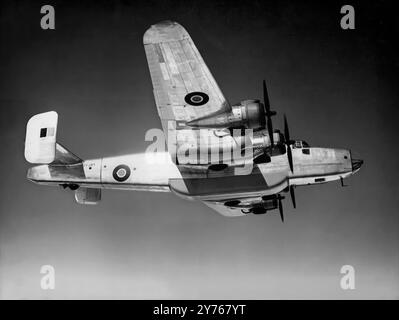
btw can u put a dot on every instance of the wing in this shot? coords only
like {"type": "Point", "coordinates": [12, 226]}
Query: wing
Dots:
{"type": "Point", "coordinates": [274, 183]}
{"type": "Point", "coordinates": [184, 88]}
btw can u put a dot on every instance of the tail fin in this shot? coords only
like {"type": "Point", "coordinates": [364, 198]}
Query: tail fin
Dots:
{"type": "Point", "coordinates": [40, 142]}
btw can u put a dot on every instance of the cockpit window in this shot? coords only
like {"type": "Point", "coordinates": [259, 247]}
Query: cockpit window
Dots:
{"type": "Point", "coordinates": [305, 151]}
{"type": "Point", "coordinates": [298, 144]}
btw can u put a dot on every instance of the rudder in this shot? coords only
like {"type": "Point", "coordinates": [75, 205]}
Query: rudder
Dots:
{"type": "Point", "coordinates": [41, 145]}
{"type": "Point", "coordinates": [41, 136]}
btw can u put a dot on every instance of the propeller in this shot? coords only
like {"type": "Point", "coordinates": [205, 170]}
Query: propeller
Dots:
{"type": "Point", "coordinates": [280, 207]}
{"type": "Point", "coordinates": [292, 193]}
{"type": "Point", "coordinates": [269, 113]}
{"type": "Point", "coordinates": [288, 143]}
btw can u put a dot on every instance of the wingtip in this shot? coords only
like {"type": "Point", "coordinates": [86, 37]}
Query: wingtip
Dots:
{"type": "Point", "coordinates": [164, 24]}
{"type": "Point", "coordinates": [165, 30]}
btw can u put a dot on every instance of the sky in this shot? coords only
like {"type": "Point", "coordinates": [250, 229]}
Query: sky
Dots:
{"type": "Point", "coordinates": [337, 87]}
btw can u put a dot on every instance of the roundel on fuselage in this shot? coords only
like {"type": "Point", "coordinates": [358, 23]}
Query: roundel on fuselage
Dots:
{"type": "Point", "coordinates": [121, 173]}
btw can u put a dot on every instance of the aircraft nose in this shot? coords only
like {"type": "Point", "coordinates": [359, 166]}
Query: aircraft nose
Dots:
{"type": "Point", "coordinates": [356, 164]}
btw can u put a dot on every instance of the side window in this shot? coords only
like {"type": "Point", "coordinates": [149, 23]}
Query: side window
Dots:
{"type": "Point", "coordinates": [305, 151]}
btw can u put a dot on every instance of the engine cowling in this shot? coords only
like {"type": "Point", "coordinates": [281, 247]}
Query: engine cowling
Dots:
{"type": "Point", "coordinates": [264, 206]}
{"type": "Point", "coordinates": [249, 114]}
{"type": "Point", "coordinates": [258, 207]}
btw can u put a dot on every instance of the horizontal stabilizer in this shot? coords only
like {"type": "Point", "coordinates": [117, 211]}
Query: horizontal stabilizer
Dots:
{"type": "Point", "coordinates": [40, 140]}
{"type": "Point", "coordinates": [88, 195]}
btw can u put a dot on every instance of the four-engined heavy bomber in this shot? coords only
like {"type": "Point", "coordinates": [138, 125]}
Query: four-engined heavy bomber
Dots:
{"type": "Point", "coordinates": [193, 113]}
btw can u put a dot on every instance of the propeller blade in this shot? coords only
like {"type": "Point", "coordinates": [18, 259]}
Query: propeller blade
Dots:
{"type": "Point", "coordinates": [266, 97]}
{"type": "Point", "coordinates": [292, 193]}
{"type": "Point", "coordinates": [286, 131]}
{"type": "Point", "coordinates": [270, 131]}
{"type": "Point", "coordinates": [269, 114]}
{"type": "Point", "coordinates": [288, 143]}
{"type": "Point", "coordinates": [280, 208]}
{"type": "Point", "coordinates": [289, 155]}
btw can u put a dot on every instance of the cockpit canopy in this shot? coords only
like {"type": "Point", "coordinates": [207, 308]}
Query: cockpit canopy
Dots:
{"type": "Point", "coordinates": [301, 144]}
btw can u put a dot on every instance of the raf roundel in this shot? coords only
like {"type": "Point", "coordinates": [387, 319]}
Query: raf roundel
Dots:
{"type": "Point", "coordinates": [196, 98]}
{"type": "Point", "coordinates": [121, 173]}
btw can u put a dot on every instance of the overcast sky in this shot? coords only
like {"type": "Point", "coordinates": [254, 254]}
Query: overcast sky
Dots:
{"type": "Point", "coordinates": [338, 89]}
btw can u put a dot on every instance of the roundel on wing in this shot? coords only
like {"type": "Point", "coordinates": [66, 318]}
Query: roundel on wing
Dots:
{"type": "Point", "coordinates": [196, 98]}
{"type": "Point", "coordinates": [121, 173]}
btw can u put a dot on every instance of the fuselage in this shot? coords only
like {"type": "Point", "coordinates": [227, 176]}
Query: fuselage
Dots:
{"type": "Point", "coordinates": [157, 172]}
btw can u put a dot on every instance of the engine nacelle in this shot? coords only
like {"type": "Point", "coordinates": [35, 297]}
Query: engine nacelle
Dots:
{"type": "Point", "coordinates": [249, 114]}
{"type": "Point", "coordinates": [258, 207]}
{"type": "Point", "coordinates": [270, 204]}
{"type": "Point", "coordinates": [264, 206]}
